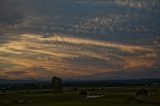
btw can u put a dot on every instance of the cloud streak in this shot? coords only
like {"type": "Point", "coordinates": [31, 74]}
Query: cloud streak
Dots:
{"type": "Point", "coordinates": [69, 56]}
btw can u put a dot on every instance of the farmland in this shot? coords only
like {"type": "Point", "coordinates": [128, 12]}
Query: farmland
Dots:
{"type": "Point", "coordinates": [111, 96]}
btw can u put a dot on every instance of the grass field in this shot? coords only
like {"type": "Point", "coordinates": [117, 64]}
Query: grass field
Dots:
{"type": "Point", "coordinates": [112, 96]}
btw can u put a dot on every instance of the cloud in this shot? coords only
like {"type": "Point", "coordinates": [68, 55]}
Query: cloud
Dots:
{"type": "Point", "coordinates": [138, 4]}
{"type": "Point", "coordinates": [81, 41]}
{"type": "Point", "coordinates": [139, 63]}
{"type": "Point", "coordinates": [72, 38]}
{"type": "Point", "coordinates": [59, 17]}
{"type": "Point", "coordinates": [68, 56]}
{"type": "Point", "coordinates": [16, 74]}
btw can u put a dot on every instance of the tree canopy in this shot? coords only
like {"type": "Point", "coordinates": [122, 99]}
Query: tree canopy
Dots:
{"type": "Point", "coordinates": [57, 85]}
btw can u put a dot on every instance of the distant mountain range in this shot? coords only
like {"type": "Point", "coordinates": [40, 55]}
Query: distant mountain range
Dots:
{"type": "Point", "coordinates": [73, 82]}
{"type": "Point", "coordinates": [7, 81]}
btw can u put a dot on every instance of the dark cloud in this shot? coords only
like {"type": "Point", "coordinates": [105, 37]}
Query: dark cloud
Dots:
{"type": "Point", "coordinates": [78, 18]}
{"type": "Point", "coordinates": [9, 13]}
{"type": "Point", "coordinates": [9, 17]}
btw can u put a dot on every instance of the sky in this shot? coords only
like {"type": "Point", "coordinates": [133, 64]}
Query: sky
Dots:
{"type": "Point", "coordinates": [96, 39]}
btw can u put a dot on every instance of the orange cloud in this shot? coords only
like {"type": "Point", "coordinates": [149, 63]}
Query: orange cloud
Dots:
{"type": "Point", "coordinates": [81, 41]}
{"type": "Point", "coordinates": [69, 56]}
{"type": "Point", "coordinates": [139, 63]}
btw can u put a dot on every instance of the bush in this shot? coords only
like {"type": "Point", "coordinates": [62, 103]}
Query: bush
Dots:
{"type": "Point", "coordinates": [142, 92]}
{"type": "Point", "coordinates": [142, 95]}
{"type": "Point", "coordinates": [83, 92]}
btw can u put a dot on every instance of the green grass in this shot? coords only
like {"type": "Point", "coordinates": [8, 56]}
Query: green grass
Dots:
{"type": "Point", "coordinates": [86, 104]}
{"type": "Point", "coordinates": [113, 97]}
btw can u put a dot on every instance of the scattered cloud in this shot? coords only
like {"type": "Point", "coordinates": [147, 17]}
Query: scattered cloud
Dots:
{"type": "Point", "coordinates": [71, 38]}
{"type": "Point", "coordinates": [138, 4]}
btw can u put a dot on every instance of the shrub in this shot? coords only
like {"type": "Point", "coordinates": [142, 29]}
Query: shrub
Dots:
{"type": "Point", "coordinates": [83, 92]}
{"type": "Point", "coordinates": [142, 95]}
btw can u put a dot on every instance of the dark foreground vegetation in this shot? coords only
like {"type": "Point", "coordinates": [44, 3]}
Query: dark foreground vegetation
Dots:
{"type": "Point", "coordinates": [80, 94]}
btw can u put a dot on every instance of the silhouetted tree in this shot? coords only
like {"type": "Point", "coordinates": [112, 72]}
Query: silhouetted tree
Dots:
{"type": "Point", "coordinates": [83, 92]}
{"type": "Point", "coordinates": [57, 85]}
